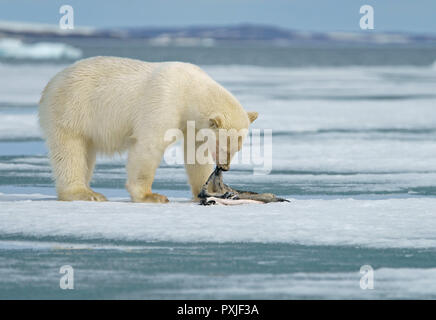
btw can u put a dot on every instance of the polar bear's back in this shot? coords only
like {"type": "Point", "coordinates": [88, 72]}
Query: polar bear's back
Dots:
{"type": "Point", "coordinates": [100, 98]}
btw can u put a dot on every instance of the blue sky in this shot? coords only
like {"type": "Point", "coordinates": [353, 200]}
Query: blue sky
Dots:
{"type": "Point", "coordinates": [417, 16]}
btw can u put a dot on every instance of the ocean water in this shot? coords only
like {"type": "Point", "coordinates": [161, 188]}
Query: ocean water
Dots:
{"type": "Point", "coordinates": [353, 148]}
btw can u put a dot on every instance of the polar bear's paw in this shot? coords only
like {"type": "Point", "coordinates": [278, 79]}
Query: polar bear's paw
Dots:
{"type": "Point", "coordinates": [81, 195]}
{"type": "Point", "coordinates": [152, 198]}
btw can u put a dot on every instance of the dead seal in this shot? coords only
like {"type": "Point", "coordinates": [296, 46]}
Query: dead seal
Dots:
{"type": "Point", "coordinates": [215, 191]}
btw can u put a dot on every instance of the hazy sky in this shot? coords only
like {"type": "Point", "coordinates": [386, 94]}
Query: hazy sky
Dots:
{"type": "Point", "coordinates": [311, 15]}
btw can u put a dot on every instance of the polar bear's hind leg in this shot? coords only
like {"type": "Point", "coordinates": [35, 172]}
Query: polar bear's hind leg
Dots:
{"type": "Point", "coordinates": [73, 160]}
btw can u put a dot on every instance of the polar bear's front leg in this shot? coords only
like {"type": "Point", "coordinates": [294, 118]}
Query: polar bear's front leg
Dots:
{"type": "Point", "coordinates": [141, 168]}
{"type": "Point", "coordinates": [197, 176]}
{"type": "Point", "coordinates": [197, 173]}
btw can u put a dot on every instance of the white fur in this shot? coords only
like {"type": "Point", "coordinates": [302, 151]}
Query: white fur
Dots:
{"type": "Point", "coordinates": [108, 105]}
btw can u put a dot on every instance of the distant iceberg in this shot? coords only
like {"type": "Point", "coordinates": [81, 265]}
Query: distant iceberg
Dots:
{"type": "Point", "coordinates": [166, 40]}
{"type": "Point", "coordinates": [17, 49]}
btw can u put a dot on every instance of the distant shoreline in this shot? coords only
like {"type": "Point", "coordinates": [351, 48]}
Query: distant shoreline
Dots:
{"type": "Point", "coordinates": [212, 35]}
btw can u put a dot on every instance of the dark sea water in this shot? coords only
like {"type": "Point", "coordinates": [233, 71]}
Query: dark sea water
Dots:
{"type": "Point", "coordinates": [353, 147]}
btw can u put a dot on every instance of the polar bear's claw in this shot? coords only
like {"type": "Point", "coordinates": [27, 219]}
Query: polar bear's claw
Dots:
{"type": "Point", "coordinates": [82, 195]}
{"type": "Point", "coordinates": [153, 198]}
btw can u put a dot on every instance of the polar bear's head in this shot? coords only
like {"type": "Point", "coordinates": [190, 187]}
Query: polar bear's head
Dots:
{"type": "Point", "coordinates": [230, 132]}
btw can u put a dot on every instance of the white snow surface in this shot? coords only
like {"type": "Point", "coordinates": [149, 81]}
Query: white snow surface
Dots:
{"type": "Point", "coordinates": [389, 223]}
{"type": "Point", "coordinates": [389, 283]}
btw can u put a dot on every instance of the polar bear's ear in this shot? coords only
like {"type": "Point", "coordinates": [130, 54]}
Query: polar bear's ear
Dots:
{"type": "Point", "coordinates": [216, 122]}
{"type": "Point", "coordinates": [252, 115]}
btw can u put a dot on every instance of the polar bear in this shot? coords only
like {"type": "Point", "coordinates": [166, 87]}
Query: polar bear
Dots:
{"type": "Point", "coordinates": [109, 105]}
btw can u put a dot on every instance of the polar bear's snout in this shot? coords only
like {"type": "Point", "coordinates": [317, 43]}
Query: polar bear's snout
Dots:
{"type": "Point", "coordinates": [224, 167]}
